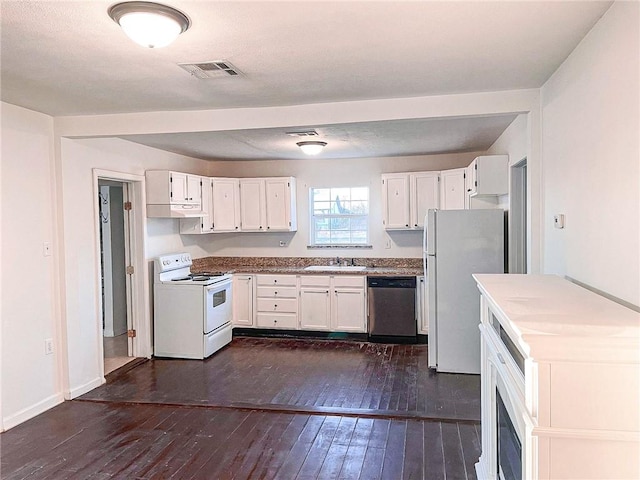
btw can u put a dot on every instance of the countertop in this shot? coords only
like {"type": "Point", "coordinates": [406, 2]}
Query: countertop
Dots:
{"type": "Point", "coordinates": [553, 316]}
{"type": "Point", "coordinates": [296, 266]}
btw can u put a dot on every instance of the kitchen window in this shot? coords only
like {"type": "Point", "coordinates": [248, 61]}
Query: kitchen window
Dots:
{"type": "Point", "coordinates": [339, 216]}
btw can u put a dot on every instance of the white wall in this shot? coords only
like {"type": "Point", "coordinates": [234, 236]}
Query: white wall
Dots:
{"type": "Point", "coordinates": [29, 377]}
{"type": "Point", "coordinates": [513, 141]}
{"type": "Point", "coordinates": [591, 155]}
{"type": "Point", "coordinates": [81, 259]}
{"type": "Point", "coordinates": [314, 172]}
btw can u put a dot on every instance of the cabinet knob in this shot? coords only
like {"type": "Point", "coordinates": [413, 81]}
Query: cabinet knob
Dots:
{"type": "Point", "coordinates": [275, 281]}
{"type": "Point", "coordinates": [275, 293]}
{"type": "Point", "coordinates": [468, 189]}
{"type": "Point", "coordinates": [268, 228]}
{"type": "Point", "coordinates": [275, 306]}
{"type": "Point", "coordinates": [236, 228]}
{"type": "Point", "coordinates": [416, 225]}
{"type": "Point", "coordinates": [260, 227]}
{"type": "Point", "coordinates": [407, 225]}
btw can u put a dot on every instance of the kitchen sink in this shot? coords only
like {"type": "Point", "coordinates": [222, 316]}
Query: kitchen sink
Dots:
{"type": "Point", "coordinates": [335, 268]}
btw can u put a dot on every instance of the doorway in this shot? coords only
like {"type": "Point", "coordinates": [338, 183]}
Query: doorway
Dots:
{"type": "Point", "coordinates": [519, 218]}
{"type": "Point", "coordinates": [114, 205]}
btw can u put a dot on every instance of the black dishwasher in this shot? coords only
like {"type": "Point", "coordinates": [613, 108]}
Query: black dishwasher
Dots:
{"type": "Point", "coordinates": [392, 309]}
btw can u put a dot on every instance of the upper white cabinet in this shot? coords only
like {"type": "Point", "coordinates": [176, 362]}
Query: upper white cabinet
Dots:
{"type": "Point", "coordinates": [489, 175]}
{"type": "Point", "coordinates": [226, 204]}
{"type": "Point", "coordinates": [452, 189]}
{"type": "Point", "coordinates": [268, 204]}
{"type": "Point", "coordinates": [425, 194]}
{"type": "Point", "coordinates": [203, 224]}
{"type": "Point", "coordinates": [172, 194]}
{"type": "Point", "coordinates": [406, 197]}
{"type": "Point", "coordinates": [280, 208]}
{"type": "Point", "coordinates": [395, 201]}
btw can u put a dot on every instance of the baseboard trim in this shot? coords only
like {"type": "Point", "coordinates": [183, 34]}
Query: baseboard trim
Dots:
{"type": "Point", "coordinates": [87, 387]}
{"type": "Point", "coordinates": [32, 411]}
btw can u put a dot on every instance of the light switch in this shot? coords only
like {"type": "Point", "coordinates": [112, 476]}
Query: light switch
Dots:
{"type": "Point", "coordinates": [558, 220]}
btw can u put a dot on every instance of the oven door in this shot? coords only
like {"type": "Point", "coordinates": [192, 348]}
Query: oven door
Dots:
{"type": "Point", "coordinates": [217, 305]}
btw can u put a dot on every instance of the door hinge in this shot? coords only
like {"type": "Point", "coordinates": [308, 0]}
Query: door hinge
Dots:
{"type": "Point", "coordinates": [129, 270]}
{"type": "Point", "coordinates": [131, 333]}
{"type": "Point", "coordinates": [475, 166]}
{"type": "Point", "coordinates": [464, 175]}
{"type": "Point", "coordinates": [127, 206]}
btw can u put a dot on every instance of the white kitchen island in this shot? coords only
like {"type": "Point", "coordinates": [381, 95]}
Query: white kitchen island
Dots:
{"type": "Point", "coordinates": [560, 381]}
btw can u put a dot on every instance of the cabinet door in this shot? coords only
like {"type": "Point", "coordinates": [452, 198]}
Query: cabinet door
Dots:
{"type": "Point", "coordinates": [194, 189]}
{"type": "Point", "coordinates": [207, 205]}
{"type": "Point", "coordinates": [278, 203]}
{"type": "Point", "coordinates": [425, 194]}
{"type": "Point", "coordinates": [243, 300]}
{"type": "Point", "coordinates": [178, 187]}
{"type": "Point", "coordinates": [226, 208]}
{"type": "Point", "coordinates": [315, 311]}
{"type": "Point", "coordinates": [395, 201]}
{"type": "Point", "coordinates": [348, 313]}
{"type": "Point", "coordinates": [452, 189]}
{"type": "Point", "coordinates": [252, 213]}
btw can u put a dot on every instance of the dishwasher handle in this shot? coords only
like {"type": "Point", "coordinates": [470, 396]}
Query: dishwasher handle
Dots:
{"type": "Point", "coordinates": [391, 282]}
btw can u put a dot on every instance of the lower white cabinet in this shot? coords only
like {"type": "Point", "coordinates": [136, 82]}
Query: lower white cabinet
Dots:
{"type": "Point", "coordinates": [243, 300]}
{"type": "Point", "coordinates": [277, 301]}
{"type": "Point", "coordinates": [333, 303]}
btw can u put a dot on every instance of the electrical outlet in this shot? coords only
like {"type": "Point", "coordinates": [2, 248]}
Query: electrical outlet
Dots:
{"type": "Point", "coordinates": [48, 346]}
{"type": "Point", "coordinates": [46, 249]}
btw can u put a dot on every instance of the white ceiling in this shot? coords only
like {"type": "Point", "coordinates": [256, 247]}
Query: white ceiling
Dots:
{"type": "Point", "coordinates": [69, 58]}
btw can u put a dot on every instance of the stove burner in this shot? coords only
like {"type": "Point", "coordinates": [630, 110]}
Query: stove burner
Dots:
{"type": "Point", "coordinates": [199, 278]}
{"type": "Point", "coordinates": [208, 274]}
{"type": "Point", "coordinates": [180, 279]}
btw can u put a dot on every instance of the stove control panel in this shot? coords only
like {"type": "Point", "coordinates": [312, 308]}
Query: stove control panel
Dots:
{"type": "Point", "coordinates": [173, 261]}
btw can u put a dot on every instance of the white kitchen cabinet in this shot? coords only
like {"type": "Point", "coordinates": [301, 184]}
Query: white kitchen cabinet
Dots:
{"type": "Point", "coordinates": [333, 302]}
{"type": "Point", "coordinates": [280, 208]}
{"type": "Point", "coordinates": [252, 205]}
{"type": "Point", "coordinates": [395, 201]}
{"type": "Point", "coordinates": [406, 197]}
{"type": "Point", "coordinates": [203, 224]}
{"type": "Point", "coordinates": [559, 380]}
{"type": "Point", "coordinates": [243, 300]}
{"type": "Point", "coordinates": [348, 309]}
{"type": "Point", "coordinates": [277, 301]}
{"type": "Point", "coordinates": [489, 175]}
{"type": "Point", "coordinates": [268, 204]}
{"type": "Point", "coordinates": [422, 306]}
{"type": "Point", "coordinates": [172, 194]}
{"type": "Point", "coordinates": [226, 204]}
{"type": "Point", "coordinates": [315, 302]}
{"type": "Point", "coordinates": [452, 189]}
{"type": "Point", "coordinates": [425, 194]}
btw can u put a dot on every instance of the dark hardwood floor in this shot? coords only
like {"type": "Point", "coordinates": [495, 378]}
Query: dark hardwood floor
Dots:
{"type": "Point", "coordinates": [241, 415]}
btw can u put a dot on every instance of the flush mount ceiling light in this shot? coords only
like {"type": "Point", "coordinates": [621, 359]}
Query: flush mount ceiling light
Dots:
{"type": "Point", "coordinates": [149, 24]}
{"type": "Point", "coordinates": [311, 148]}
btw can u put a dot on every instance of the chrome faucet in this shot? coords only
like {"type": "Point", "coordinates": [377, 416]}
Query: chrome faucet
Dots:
{"type": "Point", "coordinates": [337, 260]}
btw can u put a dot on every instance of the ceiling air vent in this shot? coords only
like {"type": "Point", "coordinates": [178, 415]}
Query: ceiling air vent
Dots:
{"type": "Point", "coordinates": [303, 133]}
{"type": "Point", "coordinates": [205, 70]}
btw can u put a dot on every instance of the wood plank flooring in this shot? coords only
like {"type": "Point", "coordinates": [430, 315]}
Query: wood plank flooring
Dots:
{"type": "Point", "coordinates": [124, 430]}
{"type": "Point", "coordinates": [318, 376]}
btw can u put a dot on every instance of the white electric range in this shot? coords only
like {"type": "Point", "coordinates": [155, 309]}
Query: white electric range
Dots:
{"type": "Point", "coordinates": [192, 312]}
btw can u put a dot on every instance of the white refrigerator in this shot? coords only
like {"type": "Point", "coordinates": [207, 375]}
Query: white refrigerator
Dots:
{"type": "Point", "coordinates": [457, 244]}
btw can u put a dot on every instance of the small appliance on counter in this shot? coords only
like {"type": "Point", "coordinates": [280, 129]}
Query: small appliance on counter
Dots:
{"type": "Point", "coordinates": [192, 311]}
{"type": "Point", "coordinates": [457, 244]}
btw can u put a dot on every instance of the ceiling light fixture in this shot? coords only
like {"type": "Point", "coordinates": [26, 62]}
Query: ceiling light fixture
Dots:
{"type": "Point", "coordinates": [311, 148]}
{"type": "Point", "coordinates": [149, 24]}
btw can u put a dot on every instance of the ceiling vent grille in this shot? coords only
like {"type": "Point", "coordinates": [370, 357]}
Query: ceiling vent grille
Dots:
{"type": "Point", "coordinates": [206, 70]}
{"type": "Point", "coordinates": [303, 133]}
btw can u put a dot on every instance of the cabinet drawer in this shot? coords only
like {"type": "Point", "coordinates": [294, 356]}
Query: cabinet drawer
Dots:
{"type": "Point", "coordinates": [278, 292]}
{"type": "Point", "coordinates": [352, 282]}
{"type": "Point", "coordinates": [315, 280]}
{"type": "Point", "coordinates": [289, 305]}
{"type": "Point", "coordinates": [271, 280]}
{"type": "Point", "coordinates": [277, 320]}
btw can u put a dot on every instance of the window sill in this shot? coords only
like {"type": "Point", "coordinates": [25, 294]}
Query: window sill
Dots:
{"type": "Point", "coordinates": [314, 247]}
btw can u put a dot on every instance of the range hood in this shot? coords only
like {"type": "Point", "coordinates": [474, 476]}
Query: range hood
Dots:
{"type": "Point", "coordinates": [175, 210]}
